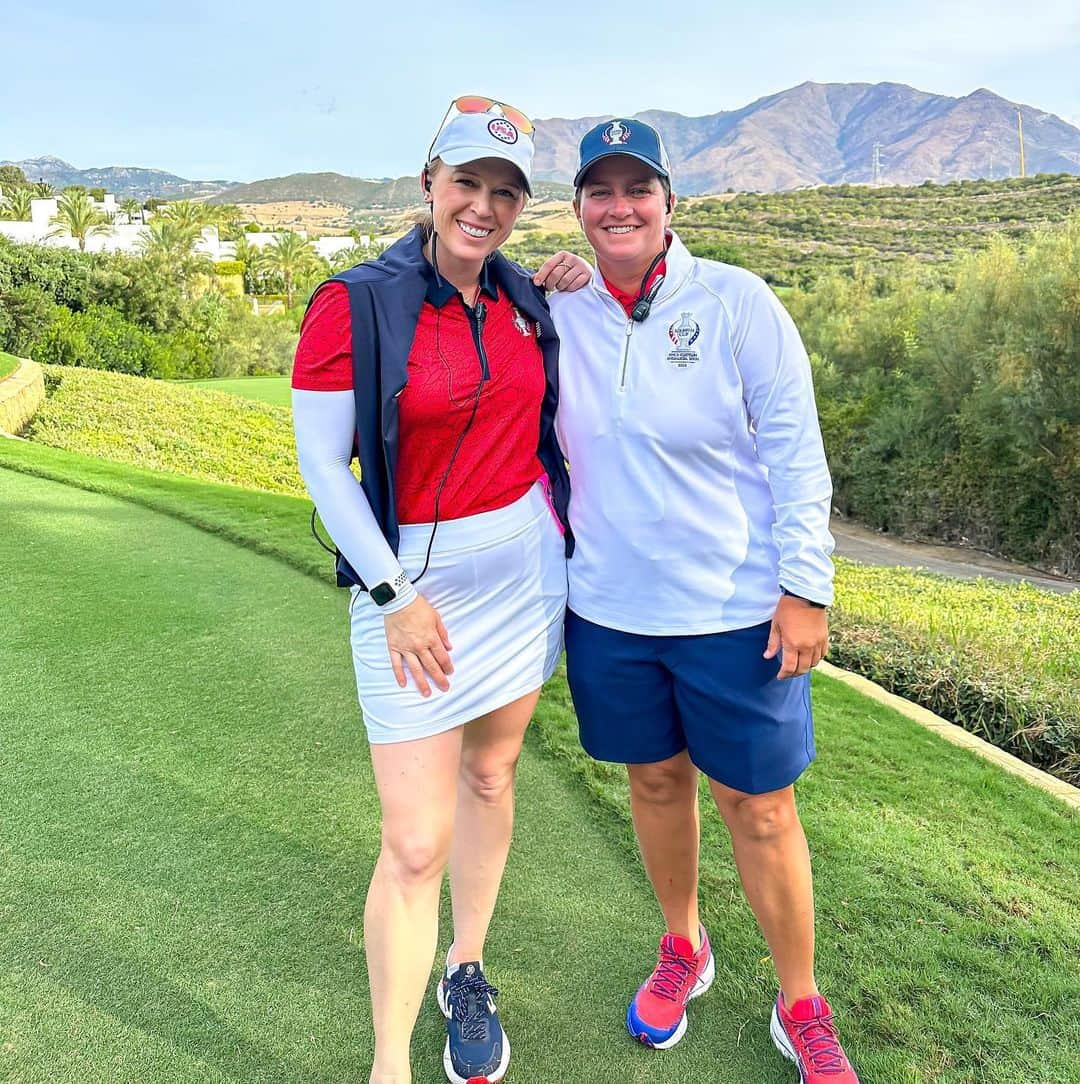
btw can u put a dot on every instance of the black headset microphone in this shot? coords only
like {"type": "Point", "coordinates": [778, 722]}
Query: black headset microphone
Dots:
{"type": "Point", "coordinates": [643, 305]}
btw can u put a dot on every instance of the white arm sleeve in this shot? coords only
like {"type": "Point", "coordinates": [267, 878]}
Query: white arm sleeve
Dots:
{"type": "Point", "coordinates": [779, 395]}
{"type": "Point", "coordinates": [324, 423]}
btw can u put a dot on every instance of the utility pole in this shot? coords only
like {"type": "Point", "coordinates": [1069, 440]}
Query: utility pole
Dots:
{"type": "Point", "coordinates": [1020, 131]}
{"type": "Point", "coordinates": [991, 163]}
{"type": "Point", "coordinates": [876, 163]}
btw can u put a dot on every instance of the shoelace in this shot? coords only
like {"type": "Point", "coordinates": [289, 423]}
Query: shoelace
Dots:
{"type": "Point", "coordinates": [672, 973]}
{"type": "Point", "coordinates": [469, 1006]}
{"type": "Point", "coordinates": [822, 1045]}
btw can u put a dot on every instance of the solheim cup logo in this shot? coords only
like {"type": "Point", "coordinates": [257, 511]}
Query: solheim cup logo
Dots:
{"type": "Point", "coordinates": [616, 132]}
{"type": "Point", "coordinates": [683, 334]}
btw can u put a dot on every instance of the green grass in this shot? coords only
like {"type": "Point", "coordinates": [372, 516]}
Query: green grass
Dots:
{"type": "Point", "coordinates": [263, 389]}
{"type": "Point", "coordinates": [1000, 660]}
{"type": "Point", "coordinates": [168, 427]}
{"type": "Point", "coordinates": [8, 364]}
{"type": "Point", "coordinates": [190, 824]}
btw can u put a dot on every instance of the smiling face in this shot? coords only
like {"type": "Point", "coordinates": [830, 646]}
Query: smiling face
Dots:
{"type": "Point", "coordinates": [623, 210]}
{"type": "Point", "coordinates": [474, 208]}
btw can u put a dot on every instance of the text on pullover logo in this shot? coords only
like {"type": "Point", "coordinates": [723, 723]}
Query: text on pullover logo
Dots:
{"type": "Point", "coordinates": [684, 333]}
{"type": "Point", "coordinates": [616, 132]}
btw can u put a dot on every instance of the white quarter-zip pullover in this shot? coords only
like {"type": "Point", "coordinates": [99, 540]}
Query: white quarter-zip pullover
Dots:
{"type": "Point", "coordinates": [698, 477]}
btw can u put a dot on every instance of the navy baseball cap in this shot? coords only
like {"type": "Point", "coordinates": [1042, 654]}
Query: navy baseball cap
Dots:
{"type": "Point", "coordinates": [620, 136]}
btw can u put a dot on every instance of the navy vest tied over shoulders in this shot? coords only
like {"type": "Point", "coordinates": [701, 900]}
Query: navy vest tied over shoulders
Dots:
{"type": "Point", "coordinates": [385, 298]}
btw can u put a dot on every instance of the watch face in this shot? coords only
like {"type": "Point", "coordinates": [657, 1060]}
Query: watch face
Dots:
{"type": "Point", "coordinates": [382, 593]}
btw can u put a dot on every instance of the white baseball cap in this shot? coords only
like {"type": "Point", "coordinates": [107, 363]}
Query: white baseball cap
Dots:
{"type": "Point", "coordinates": [467, 137]}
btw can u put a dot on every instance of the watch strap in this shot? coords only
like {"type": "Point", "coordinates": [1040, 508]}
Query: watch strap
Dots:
{"type": "Point", "coordinates": [802, 598]}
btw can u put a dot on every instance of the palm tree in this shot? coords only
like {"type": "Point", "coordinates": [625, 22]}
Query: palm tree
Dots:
{"type": "Point", "coordinates": [16, 207]}
{"type": "Point", "coordinates": [349, 257]}
{"type": "Point", "coordinates": [185, 213]}
{"type": "Point", "coordinates": [76, 216]}
{"type": "Point", "coordinates": [292, 257]}
{"type": "Point", "coordinates": [132, 208]}
{"type": "Point", "coordinates": [170, 245]}
{"type": "Point", "coordinates": [248, 255]}
{"type": "Point", "coordinates": [43, 190]}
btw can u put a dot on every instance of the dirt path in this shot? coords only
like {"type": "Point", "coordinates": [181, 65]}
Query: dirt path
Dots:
{"type": "Point", "coordinates": [861, 544]}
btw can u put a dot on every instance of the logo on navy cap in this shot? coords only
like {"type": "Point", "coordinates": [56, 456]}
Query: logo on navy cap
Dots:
{"type": "Point", "coordinates": [616, 133]}
{"type": "Point", "coordinates": [503, 130]}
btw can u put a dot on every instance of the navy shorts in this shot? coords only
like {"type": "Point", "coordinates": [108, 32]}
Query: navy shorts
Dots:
{"type": "Point", "coordinates": [641, 699]}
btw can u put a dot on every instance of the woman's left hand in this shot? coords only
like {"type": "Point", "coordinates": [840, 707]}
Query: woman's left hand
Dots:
{"type": "Point", "coordinates": [564, 271]}
{"type": "Point", "coordinates": [801, 631]}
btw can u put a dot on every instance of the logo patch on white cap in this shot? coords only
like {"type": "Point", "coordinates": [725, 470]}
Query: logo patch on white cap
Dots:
{"type": "Point", "coordinates": [616, 132]}
{"type": "Point", "coordinates": [503, 130]}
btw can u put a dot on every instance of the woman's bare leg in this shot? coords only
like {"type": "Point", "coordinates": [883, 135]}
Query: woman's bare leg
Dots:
{"type": "Point", "coordinates": [774, 866]}
{"type": "Point", "coordinates": [484, 823]}
{"type": "Point", "coordinates": [664, 805]}
{"type": "Point", "coordinates": [417, 783]}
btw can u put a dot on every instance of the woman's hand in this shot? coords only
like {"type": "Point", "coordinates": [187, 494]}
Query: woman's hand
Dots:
{"type": "Point", "coordinates": [802, 631]}
{"type": "Point", "coordinates": [416, 638]}
{"type": "Point", "coordinates": [564, 271]}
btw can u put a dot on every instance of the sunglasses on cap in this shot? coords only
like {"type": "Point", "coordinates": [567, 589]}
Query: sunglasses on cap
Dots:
{"type": "Point", "coordinates": [476, 103]}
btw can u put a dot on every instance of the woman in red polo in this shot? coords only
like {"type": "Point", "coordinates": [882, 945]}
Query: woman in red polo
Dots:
{"type": "Point", "coordinates": [436, 366]}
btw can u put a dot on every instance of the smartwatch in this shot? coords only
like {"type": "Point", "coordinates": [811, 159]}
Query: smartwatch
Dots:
{"type": "Point", "coordinates": [785, 591]}
{"type": "Point", "coordinates": [388, 590]}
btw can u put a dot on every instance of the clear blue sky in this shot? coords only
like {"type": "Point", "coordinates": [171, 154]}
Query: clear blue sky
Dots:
{"type": "Point", "coordinates": [242, 90]}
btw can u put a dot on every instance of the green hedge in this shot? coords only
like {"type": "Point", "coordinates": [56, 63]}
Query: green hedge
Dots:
{"type": "Point", "coordinates": [951, 408]}
{"type": "Point", "coordinates": [1001, 660]}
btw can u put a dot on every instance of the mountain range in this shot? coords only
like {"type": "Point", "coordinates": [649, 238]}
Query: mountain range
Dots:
{"type": "Point", "coordinates": [812, 134]}
{"type": "Point", "coordinates": [123, 181]}
{"type": "Point", "coordinates": [825, 133]}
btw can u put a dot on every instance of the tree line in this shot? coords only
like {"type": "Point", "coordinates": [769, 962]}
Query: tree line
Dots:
{"type": "Point", "coordinates": [950, 398]}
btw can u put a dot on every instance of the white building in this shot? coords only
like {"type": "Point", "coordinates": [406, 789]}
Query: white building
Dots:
{"type": "Point", "coordinates": [125, 237]}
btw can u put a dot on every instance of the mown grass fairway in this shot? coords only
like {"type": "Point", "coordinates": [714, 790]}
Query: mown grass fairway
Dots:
{"type": "Point", "coordinates": [265, 389]}
{"type": "Point", "coordinates": [190, 824]}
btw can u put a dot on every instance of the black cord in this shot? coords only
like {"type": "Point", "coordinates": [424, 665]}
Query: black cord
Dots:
{"type": "Point", "coordinates": [457, 446]}
{"type": "Point", "coordinates": [644, 301]}
{"type": "Point", "coordinates": [315, 533]}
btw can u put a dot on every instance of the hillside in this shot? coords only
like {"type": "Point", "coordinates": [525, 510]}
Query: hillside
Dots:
{"type": "Point", "coordinates": [812, 134]}
{"type": "Point", "coordinates": [792, 237]}
{"type": "Point", "coordinates": [395, 194]}
{"type": "Point", "coordinates": [123, 181]}
{"type": "Point", "coordinates": [825, 133]}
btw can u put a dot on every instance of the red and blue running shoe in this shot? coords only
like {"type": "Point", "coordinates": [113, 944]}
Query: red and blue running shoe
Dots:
{"type": "Point", "coordinates": [657, 1015]}
{"type": "Point", "coordinates": [806, 1035]}
{"type": "Point", "coordinates": [477, 1050]}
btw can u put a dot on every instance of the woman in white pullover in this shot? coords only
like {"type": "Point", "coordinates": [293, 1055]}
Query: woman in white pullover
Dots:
{"type": "Point", "coordinates": [698, 587]}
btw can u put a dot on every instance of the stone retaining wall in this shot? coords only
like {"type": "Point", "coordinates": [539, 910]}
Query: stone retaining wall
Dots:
{"type": "Point", "coordinates": [21, 394]}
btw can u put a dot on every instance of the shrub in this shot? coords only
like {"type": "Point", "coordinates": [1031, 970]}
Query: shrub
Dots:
{"type": "Point", "coordinates": [998, 659]}
{"type": "Point", "coordinates": [100, 338]}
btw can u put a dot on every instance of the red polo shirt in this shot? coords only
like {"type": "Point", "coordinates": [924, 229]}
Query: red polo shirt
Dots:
{"type": "Point", "coordinates": [497, 462]}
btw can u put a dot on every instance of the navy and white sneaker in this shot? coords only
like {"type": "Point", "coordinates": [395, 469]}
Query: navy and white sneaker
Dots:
{"type": "Point", "coordinates": [477, 1049]}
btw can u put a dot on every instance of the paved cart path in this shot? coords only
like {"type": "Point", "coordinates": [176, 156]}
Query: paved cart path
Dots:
{"type": "Point", "coordinates": [861, 544]}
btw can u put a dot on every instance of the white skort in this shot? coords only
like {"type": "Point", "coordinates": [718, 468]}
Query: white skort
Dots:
{"type": "Point", "coordinates": [498, 580]}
